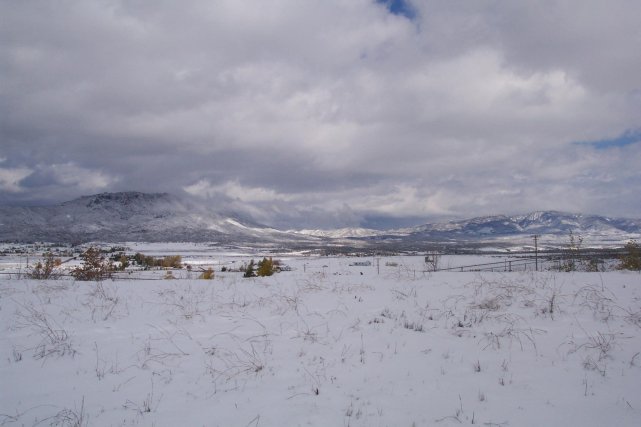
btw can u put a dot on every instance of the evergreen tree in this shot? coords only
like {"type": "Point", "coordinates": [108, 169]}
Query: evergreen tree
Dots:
{"type": "Point", "coordinates": [249, 271]}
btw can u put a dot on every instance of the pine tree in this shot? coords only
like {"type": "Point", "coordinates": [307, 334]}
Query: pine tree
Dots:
{"type": "Point", "coordinates": [249, 271]}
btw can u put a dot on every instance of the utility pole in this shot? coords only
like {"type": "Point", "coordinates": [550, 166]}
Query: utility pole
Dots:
{"type": "Point", "coordinates": [536, 251]}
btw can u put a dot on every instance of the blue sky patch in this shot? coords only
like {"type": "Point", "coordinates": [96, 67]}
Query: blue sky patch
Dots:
{"type": "Point", "coordinates": [399, 7]}
{"type": "Point", "coordinates": [628, 137]}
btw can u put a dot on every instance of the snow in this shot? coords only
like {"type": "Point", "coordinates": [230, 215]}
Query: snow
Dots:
{"type": "Point", "coordinates": [164, 217]}
{"type": "Point", "coordinates": [340, 233]}
{"type": "Point", "coordinates": [326, 344]}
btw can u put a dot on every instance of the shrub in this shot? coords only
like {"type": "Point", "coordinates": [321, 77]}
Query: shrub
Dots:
{"type": "Point", "coordinates": [572, 253]}
{"type": "Point", "coordinates": [94, 267]}
{"type": "Point", "coordinates": [593, 265]}
{"type": "Point", "coordinates": [207, 274]}
{"type": "Point", "coordinates": [47, 270]}
{"type": "Point", "coordinates": [139, 258]}
{"type": "Point", "coordinates": [144, 260]}
{"type": "Point", "coordinates": [632, 259]}
{"type": "Point", "coordinates": [172, 261]}
{"type": "Point", "coordinates": [124, 262]}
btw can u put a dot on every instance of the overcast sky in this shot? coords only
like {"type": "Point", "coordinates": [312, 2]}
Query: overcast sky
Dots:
{"type": "Point", "coordinates": [326, 113]}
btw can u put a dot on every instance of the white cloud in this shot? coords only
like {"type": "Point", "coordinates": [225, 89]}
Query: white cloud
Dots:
{"type": "Point", "coordinates": [10, 178]}
{"type": "Point", "coordinates": [339, 106]}
{"type": "Point", "coordinates": [234, 190]}
{"type": "Point", "coordinates": [72, 175]}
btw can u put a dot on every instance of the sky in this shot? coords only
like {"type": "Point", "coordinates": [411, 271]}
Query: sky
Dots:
{"type": "Point", "coordinates": [326, 113]}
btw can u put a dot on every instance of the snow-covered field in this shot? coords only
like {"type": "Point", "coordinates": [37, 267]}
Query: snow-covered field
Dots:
{"type": "Point", "coordinates": [326, 344]}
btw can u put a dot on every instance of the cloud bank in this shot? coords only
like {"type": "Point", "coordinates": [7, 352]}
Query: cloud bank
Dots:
{"type": "Point", "coordinates": [325, 113]}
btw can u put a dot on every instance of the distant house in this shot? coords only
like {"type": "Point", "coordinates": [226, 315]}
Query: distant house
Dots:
{"type": "Point", "coordinates": [361, 264]}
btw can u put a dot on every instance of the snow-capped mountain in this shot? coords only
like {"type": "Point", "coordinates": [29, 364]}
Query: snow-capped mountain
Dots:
{"type": "Point", "coordinates": [130, 216]}
{"type": "Point", "coordinates": [340, 233]}
{"type": "Point", "coordinates": [547, 222]}
{"type": "Point", "coordinates": [552, 226]}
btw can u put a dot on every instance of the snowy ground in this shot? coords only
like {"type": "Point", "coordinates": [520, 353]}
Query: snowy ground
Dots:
{"type": "Point", "coordinates": [326, 344]}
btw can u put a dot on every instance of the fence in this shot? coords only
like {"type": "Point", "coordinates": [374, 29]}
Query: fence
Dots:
{"type": "Point", "coordinates": [565, 260]}
{"type": "Point", "coordinates": [505, 265]}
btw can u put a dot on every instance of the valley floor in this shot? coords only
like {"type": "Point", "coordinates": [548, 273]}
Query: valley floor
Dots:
{"type": "Point", "coordinates": [326, 344]}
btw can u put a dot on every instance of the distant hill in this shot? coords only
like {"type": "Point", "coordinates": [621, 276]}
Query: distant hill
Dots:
{"type": "Point", "coordinates": [552, 227]}
{"type": "Point", "coordinates": [340, 233]}
{"type": "Point", "coordinates": [548, 222]}
{"type": "Point", "coordinates": [133, 216]}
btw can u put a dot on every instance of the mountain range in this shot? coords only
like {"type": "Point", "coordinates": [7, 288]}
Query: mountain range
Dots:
{"type": "Point", "coordinates": [134, 216]}
{"type": "Point", "coordinates": [131, 216]}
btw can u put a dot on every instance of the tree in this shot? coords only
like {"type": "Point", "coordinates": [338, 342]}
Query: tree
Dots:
{"type": "Point", "coordinates": [147, 262]}
{"type": "Point", "coordinates": [124, 262]}
{"type": "Point", "coordinates": [573, 252]}
{"type": "Point", "coordinates": [632, 259]}
{"type": "Point", "coordinates": [265, 267]}
{"type": "Point", "coordinates": [249, 270]}
{"type": "Point", "coordinates": [172, 261]}
{"type": "Point", "coordinates": [94, 267]}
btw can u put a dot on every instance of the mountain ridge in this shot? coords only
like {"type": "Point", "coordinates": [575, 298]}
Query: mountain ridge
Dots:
{"type": "Point", "coordinates": [137, 216]}
{"type": "Point", "coordinates": [130, 216]}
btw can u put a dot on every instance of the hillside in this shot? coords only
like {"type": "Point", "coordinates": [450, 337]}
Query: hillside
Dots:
{"type": "Point", "coordinates": [133, 216]}
{"type": "Point", "coordinates": [130, 216]}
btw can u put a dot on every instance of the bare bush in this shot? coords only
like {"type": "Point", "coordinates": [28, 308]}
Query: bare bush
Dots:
{"type": "Point", "coordinates": [69, 417]}
{"type": "Point", "coordinates": [235, 363]}
{"type": "Point", "coordinates": [147, 405]}
{"type": "Point", "coordinates": [54, 340]}
{"type": "Point", "coordinates": [511, 334]}
{"type": "Point", "coordinates": [633, 317]}
{"type": "Point", "coordinates": [602, 342]}
{"type": "Point", "coordinates": [595, 365]}
{"type": "Point", "coordinates": [598, 301]}
{"type": "Point", "coordinates": [598, 345]}
{"type": "Point", "coordinates": [46, 269]}
{"type": "Point", "coordinates": [572, 255]}
{"type": "Point", "coordinates": [413, 326]}
{"type": "Point", "coordinates": [552, 298]}
{"type": "Point", "coordinates": [186, 302]}
{"type": "Point", "coordinates": [102, 301]}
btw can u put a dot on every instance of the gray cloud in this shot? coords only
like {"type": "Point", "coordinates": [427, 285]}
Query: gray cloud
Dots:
{"type": "Point", "coordinates": [324, 113]}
